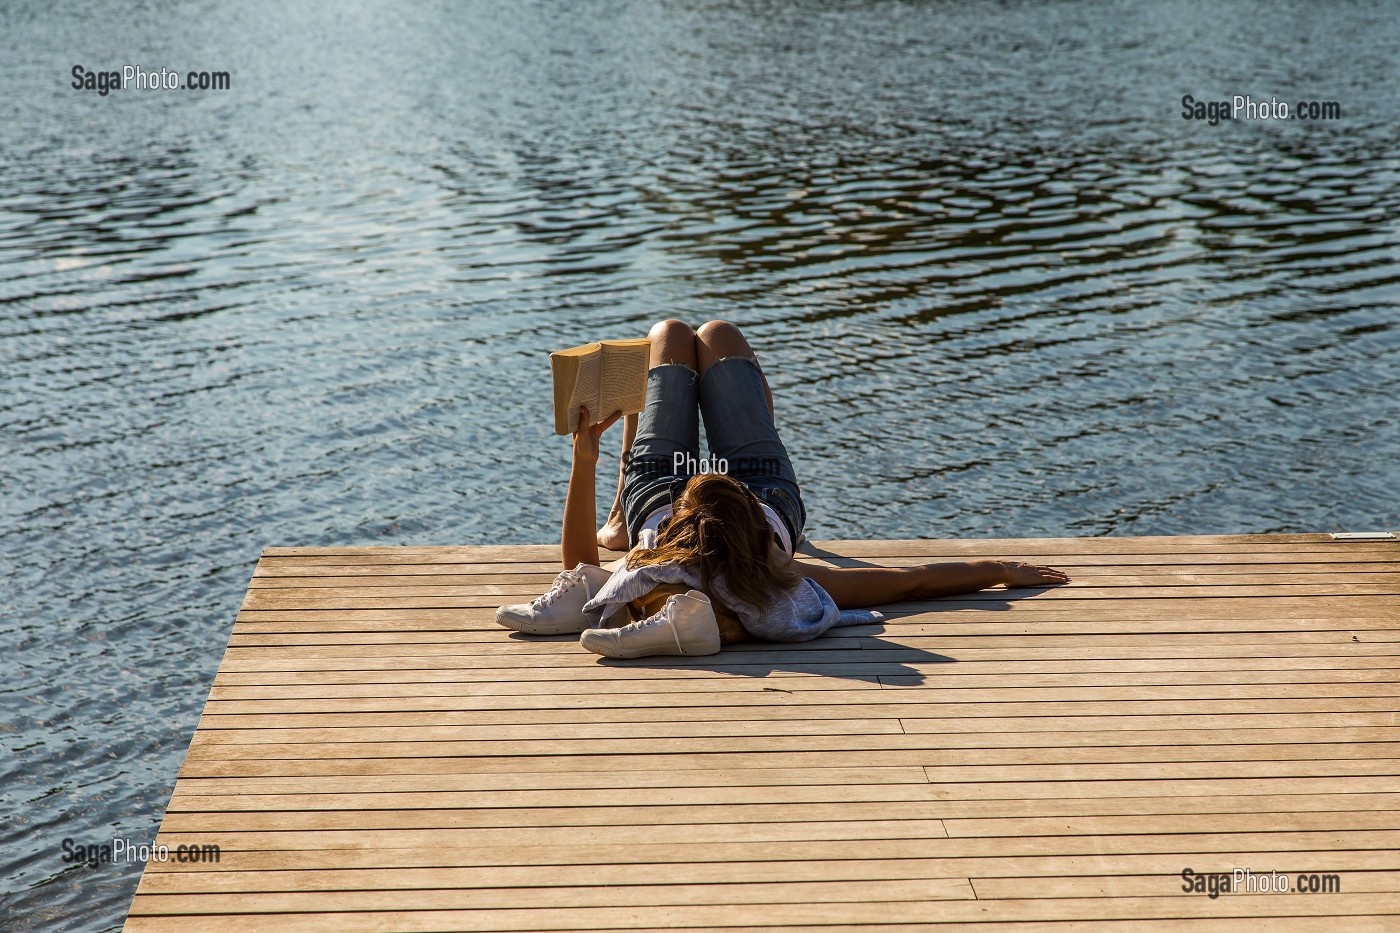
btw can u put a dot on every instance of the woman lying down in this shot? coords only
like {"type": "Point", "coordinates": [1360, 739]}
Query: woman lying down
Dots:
{"type": "Point", "coordinates": [710, 555]}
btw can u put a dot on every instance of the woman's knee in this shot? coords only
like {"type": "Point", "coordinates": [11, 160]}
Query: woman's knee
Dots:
{"type": "Point", "coordinates": [672, 341]}
{"type": "Point", "coordinates": [718, 340]}
{"type": "Point", "coordinates": [670, 330]}
{"type": "Point", "coordinates": [713, 332]}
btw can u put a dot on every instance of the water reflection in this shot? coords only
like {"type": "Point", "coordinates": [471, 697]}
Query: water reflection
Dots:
{"type": "Point", "coordinates": [1001, 289]}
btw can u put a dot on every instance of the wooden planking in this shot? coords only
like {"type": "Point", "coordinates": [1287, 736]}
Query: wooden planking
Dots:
{"type": "Point", "coordinates": [332, 575]}
{"type": "Point", "coordinates": [421, 913]}
{"type": "Point", "coordinates": [292, 634]}
{"type": "Point", "coordinates": [785, 735]}
{"type": "Point", "coordinates": [1379, 557]}
{"type": "Point", "coordinates": [376, 754]}
{"type": "Point", "coordinates": [811, 821]}
{"type": "Point", "coordinates": [480, 720]}
{"type": "Point", "coordinates": [531, 584]}
{"type": "Point", "coordinates": [449, 598]}
{"type": "Point", "coordinates": [1221, 610]}
{"type": "Point", "coordinates": [426, 793]}
{"type": "Point", "coordinates": [372, 868]}
{"type": "Point", "coordinates": [832, 648]}
{"type": "Point", "coordinates": [345, 699]}
{"type": "Point", "coordinates": [1021, 869]}
{"type": "Point", "coordinates": [463, 681]}
{"type": "Point", "coordinates": [650, 853]}
{"type": "Point", "coordinates": [1319, 924]}
{"type": "Point", "coordinates": [455, 921]}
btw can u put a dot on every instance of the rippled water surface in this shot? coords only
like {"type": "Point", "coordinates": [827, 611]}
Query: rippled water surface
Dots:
{"type": "Point", "coordinates": [1000, 286]}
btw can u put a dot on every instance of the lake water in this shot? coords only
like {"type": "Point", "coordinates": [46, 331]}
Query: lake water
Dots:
{"type": "Point", "coordinates": [1001, 288]}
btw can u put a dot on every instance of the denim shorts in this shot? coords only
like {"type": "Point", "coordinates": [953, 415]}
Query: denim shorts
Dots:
{"type": "Point", "coordinates": [738, 429]}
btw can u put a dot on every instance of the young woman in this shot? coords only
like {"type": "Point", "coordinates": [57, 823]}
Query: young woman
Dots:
{"type": "Point", "coordinates": [710, 554]}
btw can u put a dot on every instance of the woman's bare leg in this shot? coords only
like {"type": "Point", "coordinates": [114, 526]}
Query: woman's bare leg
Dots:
{"type": "Point", "coordinates": [671, 342]}
{"type": "Point", "coordinates": [718, 340]}
{"type": "Point", "coordinates": [613, 534]}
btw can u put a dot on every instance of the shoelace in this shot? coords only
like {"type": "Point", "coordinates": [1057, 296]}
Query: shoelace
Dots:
{"type": "Point", "coordinates": [561, 584]}
{"type": "Point", "coordinates": [663, 616]}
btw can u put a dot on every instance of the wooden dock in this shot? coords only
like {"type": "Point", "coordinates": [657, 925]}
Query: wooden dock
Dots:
{"type": "Point", "coordinates": [377, 754]}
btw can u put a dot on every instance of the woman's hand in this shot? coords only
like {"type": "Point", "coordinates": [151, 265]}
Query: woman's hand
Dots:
{"type": "Point", "coordinates": [586, 435]}
{"type": "Point", "coordinates": [1017, 573]}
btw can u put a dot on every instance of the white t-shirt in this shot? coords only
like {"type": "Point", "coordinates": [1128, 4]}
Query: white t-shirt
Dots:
{"type": "Point", "coordinates": [654, 520]}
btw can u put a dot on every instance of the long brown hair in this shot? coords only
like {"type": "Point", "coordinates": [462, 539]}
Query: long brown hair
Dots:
{"type": "Point", "coordinates": [719, 528]}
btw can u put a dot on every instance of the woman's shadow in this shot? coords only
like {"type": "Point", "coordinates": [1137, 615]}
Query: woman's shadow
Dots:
{"type": "Point", "coordinates": [851, 653]}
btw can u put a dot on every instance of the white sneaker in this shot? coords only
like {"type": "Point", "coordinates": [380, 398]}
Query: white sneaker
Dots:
{"type": "Point", "coordinates": [685, 625]}
{"type": "Point", "coordinates": [560, 611]}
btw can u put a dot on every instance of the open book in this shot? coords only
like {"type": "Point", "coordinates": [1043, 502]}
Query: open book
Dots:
{"type": "Point", "coordinates": [602, 377]}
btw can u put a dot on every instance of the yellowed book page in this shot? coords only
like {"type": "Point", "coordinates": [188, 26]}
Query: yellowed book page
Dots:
{"type": "Point", "coordinates": [624, 383]}
{"type": "Point", "coordinates": [586, 389]}
{"type": "Point", "coordinates": [563, 369]}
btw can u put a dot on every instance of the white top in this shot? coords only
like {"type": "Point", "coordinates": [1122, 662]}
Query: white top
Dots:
{"type": "Point", "coordinates": [654, 520]}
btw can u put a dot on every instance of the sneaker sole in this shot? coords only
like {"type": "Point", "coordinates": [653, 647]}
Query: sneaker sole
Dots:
{"type": "Point", "coordinates": [528, 627]}
{"type": "Point", "coordinates": [605, 652]}
{"type": "Point", "coordinates": [608, 651]}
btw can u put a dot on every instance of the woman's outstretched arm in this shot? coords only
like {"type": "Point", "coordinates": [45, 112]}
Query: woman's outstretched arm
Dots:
{"type": "Point", "coordinates": [862, 587]}
{"type": "Point", "coordinates": [579, 541]}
